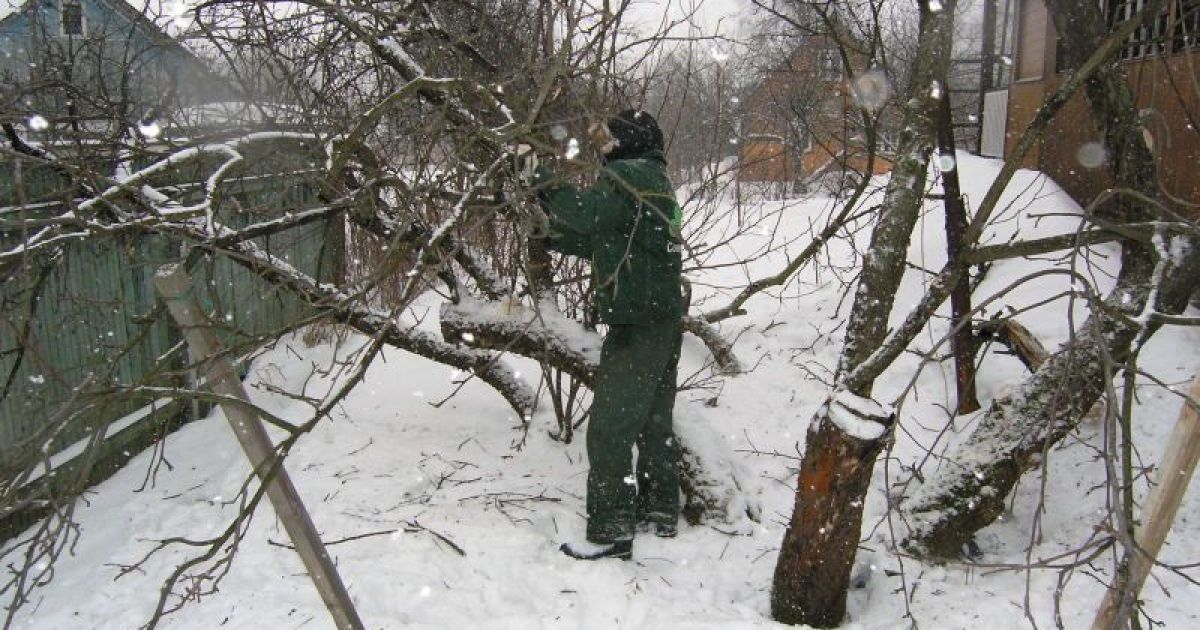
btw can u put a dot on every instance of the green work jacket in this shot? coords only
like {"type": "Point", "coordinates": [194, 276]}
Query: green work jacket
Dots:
{"type": "Point", "coordinates": [627, 225]}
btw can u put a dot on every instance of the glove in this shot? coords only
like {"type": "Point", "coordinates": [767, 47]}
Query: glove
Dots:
{"type": "Point", "coordinates": [526, 164]}
{"type": "Point", "coordinates": [536, 224]}
{"type": "Point", "coordinates": [601, 137]}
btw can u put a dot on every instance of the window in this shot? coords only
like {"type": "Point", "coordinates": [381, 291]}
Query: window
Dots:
{"type": "Point", "coordinates": [1186, 32]}
{"type": "Point", "coordinates": [829, 66]}
{"type": "Point", "coordinates": [1147, 39]}
{"type": "Point", "coordinates": [1031, 42]}
{"type": "Point", "coordinates": [72, 17]}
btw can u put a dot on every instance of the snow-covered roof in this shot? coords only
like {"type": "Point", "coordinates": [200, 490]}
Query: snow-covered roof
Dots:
{"type": "Point", "coordinates": [9, 7]}
{"type": "Point", "coordinates": [140, 12]}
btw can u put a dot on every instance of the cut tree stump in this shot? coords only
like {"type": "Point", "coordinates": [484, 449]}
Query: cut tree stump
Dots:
{"type": "Point", "coordinates": [812, 575]}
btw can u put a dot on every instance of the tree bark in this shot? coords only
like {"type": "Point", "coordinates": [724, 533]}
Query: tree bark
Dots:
{"type": "Point", "coordinates": [834, 477]}
{"type": "Point", "coordinates": [962, 341]}
{"type": "Point", "coordinates": [812, 574]}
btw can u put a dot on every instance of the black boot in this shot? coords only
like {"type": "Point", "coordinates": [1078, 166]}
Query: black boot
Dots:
{"type": "Point", "coordinates": [587, 550]}
{"type": "Point", "coordinates": [665, 530]}
{"type": "Point", "coordinates": [662, 529]}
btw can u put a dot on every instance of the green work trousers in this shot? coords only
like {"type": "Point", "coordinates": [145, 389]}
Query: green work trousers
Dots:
{"type": "Point", "coordinates": [632, 406]}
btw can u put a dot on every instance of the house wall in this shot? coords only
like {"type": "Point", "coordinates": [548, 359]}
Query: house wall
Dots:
{"type": "Point", "coordinates": [796, 120]}
{"type": "Point", "coordinates": [1168, 128]}
{"type": "Point", "coordinates": [835, 155]}
{"type": "Point", "coordinates": [115, 56]}
{"type": "Point", "coordinates": [766, 161]}
{"type": "Point", "coordinates": [1165, 89]}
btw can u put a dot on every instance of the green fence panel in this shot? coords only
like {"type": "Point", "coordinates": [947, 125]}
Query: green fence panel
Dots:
{"type": "Point", "coordinates": [93, 331]}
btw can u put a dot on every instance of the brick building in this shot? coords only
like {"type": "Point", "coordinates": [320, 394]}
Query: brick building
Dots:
{"type": "Point", "coordinates": [1160, 62]}
{"type": "Point", "coordinates": [798, 124]}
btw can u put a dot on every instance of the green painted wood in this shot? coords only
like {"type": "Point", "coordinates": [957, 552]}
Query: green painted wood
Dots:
{"type": "Point", "coordinates": [94, 317]}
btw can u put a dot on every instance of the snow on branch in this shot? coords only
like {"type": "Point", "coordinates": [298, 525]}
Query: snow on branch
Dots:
{"type": "Point", "coordinates": [859, 417]}
{"type": "Point", "coordinates": [485, 365]}
{"type": "Point", "coordinates": [393, 53]}
{"type": "Point", "coordinates": [545, 334]}
{"type": "Point", "coordinates": [542, 333]}
{"type": "Point", "coordinates": [154, 207]}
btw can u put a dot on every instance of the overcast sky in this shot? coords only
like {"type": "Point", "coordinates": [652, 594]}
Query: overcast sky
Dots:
{"type": "Point", "coordinates": [710, 15]}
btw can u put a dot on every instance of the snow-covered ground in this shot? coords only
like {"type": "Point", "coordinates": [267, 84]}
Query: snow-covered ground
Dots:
{"type": "Point", "coordinates": [404, 476]}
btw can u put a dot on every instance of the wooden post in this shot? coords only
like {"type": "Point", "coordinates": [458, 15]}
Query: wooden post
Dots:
{"type": "Point", "coordinates": [175, 286]}
{"type": "Point", "coordinates": [1158, 513]}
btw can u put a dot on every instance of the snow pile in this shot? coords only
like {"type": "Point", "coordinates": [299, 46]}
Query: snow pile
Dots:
{"type": "Point", "coordinates": [722, 485]}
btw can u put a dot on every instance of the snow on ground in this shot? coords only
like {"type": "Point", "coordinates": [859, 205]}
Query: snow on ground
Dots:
{"type": "Point", "coordinates": [390, 461]}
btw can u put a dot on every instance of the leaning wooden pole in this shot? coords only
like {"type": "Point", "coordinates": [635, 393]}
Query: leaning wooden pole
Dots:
{"type": "Point", "coordinates": [175, 286]}
{"type": "Point", "coordinates": [1158, 513]}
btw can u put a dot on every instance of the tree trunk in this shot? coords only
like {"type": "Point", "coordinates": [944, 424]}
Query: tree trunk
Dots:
{"type": "Point", "coordinates": [812, 574]}
{"type": "Point", "coordinates": [809, 586]}
{"type": "Point", "coordinates": [963, 341]}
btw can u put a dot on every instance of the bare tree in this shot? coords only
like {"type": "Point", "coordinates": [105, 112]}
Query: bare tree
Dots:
{"type": "Point", "coordinates": [813, 571]}
{"type": "Point", "coordinates": [381, 138]}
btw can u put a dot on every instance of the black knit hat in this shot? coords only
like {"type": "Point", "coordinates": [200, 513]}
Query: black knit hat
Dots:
{"type": "Point", "coordinates": [636, 132]}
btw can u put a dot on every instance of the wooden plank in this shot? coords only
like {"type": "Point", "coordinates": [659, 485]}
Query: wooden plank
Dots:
{"type": "Point", "coordinates": [175, 286]}
{"type": "Point", "coordinates": [1158, 514]}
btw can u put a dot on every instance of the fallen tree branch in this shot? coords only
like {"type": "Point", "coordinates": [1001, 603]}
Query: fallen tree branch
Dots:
{"type": "Point", "coordinates": [722, 350]}
{"type": "Point", "coordinates": [1016, 338]}
{"type": "Point", "coordinates": [542, 333]}
{"type": "Point", "coordinates": [714, 487]}
{"type": "Point", "coordinates": [968, 491]}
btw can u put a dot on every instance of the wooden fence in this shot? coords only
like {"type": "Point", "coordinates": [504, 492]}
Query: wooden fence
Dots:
{"type": "Point", "coordinates": [79, 338]}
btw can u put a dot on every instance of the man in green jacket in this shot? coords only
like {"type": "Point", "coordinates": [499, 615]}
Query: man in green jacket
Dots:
{"type": "Point", "coordinates": [627, 225]}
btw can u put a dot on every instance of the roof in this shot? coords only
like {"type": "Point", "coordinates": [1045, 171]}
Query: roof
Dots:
{"type": "Point", "coordinates": [130, 11]}
{"type": "Point", "coordinates": [9, 7]}
{"type": "Point", "coordinates": [139, 18]}
{"type": "Point", "coordinates": [123, 8]}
